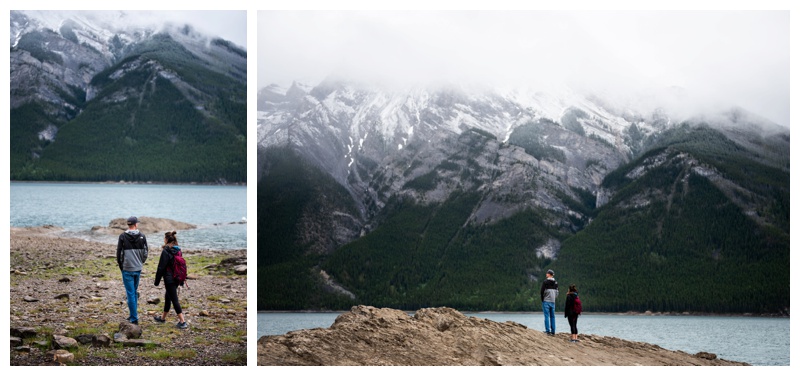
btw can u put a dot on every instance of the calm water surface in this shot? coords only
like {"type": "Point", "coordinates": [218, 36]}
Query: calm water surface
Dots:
{"type": "Point", "coordinates": [755, 340]}
{"type": "Point", "coordinates": [77, 207]}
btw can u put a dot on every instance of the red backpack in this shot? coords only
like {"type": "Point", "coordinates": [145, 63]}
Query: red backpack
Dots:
{"type": "Point", "coordinates": [179, 269]}
{"type": "Point", "coordinates": [577, 307]}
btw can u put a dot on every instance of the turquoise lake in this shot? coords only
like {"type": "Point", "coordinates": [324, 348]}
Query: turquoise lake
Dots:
{"type": "Point", "coordinates": [217, 211]}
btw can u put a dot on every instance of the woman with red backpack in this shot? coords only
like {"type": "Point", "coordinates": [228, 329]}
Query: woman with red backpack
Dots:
{"type": "Point", "coordinates": [172, 268]}
{"type": "Point", "coordinates": [572, 310]}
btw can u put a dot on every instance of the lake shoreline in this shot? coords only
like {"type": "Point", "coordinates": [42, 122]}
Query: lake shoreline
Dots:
{"type": "Point", "coordinates": [628, 313]}
{"type": "Point", "coordinates": [52, 231]}
{"type": "Point", "coordinates": [110, 182]}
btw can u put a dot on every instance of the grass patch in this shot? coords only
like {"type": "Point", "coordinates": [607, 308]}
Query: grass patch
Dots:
{"type": "Point", "coordinates": [197, 265]}
{"type": "Point", "coordinates": [235, 357]}
{"type": "Point", "coordinates": [85, 329]}
{"type": "Point", "coordinates": [231, 338]}
{"type": "Point", "coordinates": [201, 341]}
{"type": "Point", "coordinates": [80, 352]}
{"type": "Point", "coordinates": [107, 354]}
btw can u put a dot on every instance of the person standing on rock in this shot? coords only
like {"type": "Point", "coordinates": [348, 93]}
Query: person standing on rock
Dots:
{"type": "Point", "coordinates": [549, 294]}
{"type": "Point", "coordinates": [131, 256]}
{"type": "Point", "coordinates": [572, 311]}
{"type": "Point", "coordinates": [165, 270]}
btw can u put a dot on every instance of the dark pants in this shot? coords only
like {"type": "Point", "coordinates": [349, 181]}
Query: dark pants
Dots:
{"type": "Point", "coordinates": [573, 323]}
{"type": "Point", "coordinates": [171, 297]}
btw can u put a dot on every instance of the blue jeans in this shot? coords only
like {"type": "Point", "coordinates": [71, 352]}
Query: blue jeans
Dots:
{"type": "Point", "coordinates": [549, 309]}
{"type": "Point", "coordinates": [131, 282]}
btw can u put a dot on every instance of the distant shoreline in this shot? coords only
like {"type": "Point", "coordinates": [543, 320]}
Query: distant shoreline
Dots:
{"type": "Point", "coordinates": [629, 313]}
{"type": "Point", "coordinates": [121, 182]}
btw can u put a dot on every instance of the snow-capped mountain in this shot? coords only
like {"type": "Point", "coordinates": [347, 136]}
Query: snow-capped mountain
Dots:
{"type": "Point", "coordinates": [344, 127]}
{"type": "Point", "coordinates": [522, 148]}
{"type": "Point", "coordinates": [432, 195]}
{"type": "Point", "coordinates": [405, 115]}
{"type": "Point", "coordinates": [117, 81]}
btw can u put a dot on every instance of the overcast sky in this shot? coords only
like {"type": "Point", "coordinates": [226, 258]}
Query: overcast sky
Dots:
{"type": "Point", "coordinates": [715, 57]}
{"type": "Point", "coordinates": [226, 24]}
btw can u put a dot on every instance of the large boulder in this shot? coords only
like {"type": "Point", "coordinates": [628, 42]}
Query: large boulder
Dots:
{"type": "Point", "coordinates": [101, 340]}
{"type": "Point", "coordinates": [84, 339]}
{"type": "Point", "coordinates": [129, 330]}
{"type": "Point", "coordinates": [23, 332]}
{"type": "Point", "coordinates": [63, 356]}
{"type": "Point", "coordinates": [62, 342]}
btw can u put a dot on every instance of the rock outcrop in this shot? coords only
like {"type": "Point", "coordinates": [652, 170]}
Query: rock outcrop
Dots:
{"type": "Point", "coordinates": [148, 225]}
{"type": "Point", "coordinates": [444, 336]}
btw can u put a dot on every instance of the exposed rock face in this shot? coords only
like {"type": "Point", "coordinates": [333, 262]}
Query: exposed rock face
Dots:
{"type": "Point", "coordinates": [444, 336]}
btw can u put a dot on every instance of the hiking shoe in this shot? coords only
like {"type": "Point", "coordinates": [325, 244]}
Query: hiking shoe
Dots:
{"type": "Point", "coordinates": [158, 319]}
{"type": "Point", "coordinates": [182, 325]}
{"type": "Point", "coordinates": [135, 322]}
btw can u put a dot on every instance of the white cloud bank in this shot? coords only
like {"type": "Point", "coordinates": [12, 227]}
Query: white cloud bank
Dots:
{"type": "Point", "coordinates": [714, 57]}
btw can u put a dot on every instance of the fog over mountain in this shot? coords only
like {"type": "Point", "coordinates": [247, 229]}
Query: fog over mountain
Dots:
{"type": "Point", "coordinates": [421, 159]}
{"type": "Point", "coordinates": [219, 23]}
{"type": "Point", "coordinates": [689, 62]}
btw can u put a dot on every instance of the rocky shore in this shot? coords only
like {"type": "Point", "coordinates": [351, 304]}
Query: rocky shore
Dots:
{"type": "Point", "coordinates": [67, 304]}
{"type": "Point", "coordinates": [444, 336]}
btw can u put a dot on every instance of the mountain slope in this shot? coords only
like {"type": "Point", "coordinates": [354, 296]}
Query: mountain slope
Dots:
{"type": "Point", "coordinates": [90, 103]}
{"type": "Point", "coordinates": [694, 226]}
{"type": "Point", "coordinates": [467, 205]}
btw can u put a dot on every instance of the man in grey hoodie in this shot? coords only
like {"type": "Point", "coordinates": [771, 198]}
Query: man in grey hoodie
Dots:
{"type": "Point", "coordinates": [131, 255]}
{"type": "Point", "coordinates": [549, 294]}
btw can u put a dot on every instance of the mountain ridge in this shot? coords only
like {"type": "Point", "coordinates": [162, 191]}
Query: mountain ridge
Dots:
{"type": "Point", "coordinates": [84, 91]}
{"type": "Point", "coordinates": [507, 190]}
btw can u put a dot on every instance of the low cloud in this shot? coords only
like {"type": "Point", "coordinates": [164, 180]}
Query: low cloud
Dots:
{"type": "Point", "coordinates": [712, 58]}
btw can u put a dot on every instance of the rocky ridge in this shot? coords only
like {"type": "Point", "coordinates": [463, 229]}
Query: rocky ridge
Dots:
{"type": "Point", "coordinates": [443, 336]}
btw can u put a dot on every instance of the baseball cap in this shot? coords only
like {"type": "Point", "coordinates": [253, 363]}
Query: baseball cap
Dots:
{"type": "Point", "coordinates": [133, 220]}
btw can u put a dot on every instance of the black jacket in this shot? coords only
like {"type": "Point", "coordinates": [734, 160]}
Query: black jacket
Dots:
{"type": "Point", "coordinates": [549, 290]}
{"type": "Point", "coordinates": [131, 250]}
{"type": "Point", "coordinates": [570, 305]}
{"type": "Point", "coordinates": [165, 264]}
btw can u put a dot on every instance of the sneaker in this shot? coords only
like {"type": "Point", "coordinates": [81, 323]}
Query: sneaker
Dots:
{"type": "Point", "coordinates": [182, 325]}
{"type": "Point", "coordinates": [158, 319]}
